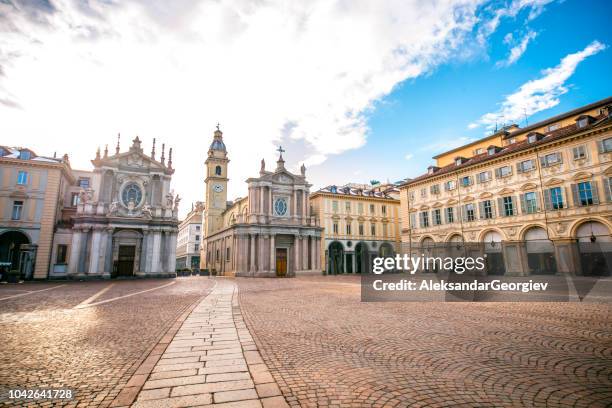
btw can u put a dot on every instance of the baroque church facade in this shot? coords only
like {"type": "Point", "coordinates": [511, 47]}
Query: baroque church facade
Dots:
{"type": "Point", "coordinates": [269, 233]}
{"type": "Point", "coordinates": [125, 220]}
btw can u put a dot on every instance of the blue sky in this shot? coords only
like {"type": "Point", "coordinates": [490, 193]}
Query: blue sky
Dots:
{"type": "Point", "coordinates": [357, 90]}
{"type": "Point", "coordinates": [424, 115]}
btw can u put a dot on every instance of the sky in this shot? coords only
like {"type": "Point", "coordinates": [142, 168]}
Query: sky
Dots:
{"type": "Point", "coordinates": [356, 90]}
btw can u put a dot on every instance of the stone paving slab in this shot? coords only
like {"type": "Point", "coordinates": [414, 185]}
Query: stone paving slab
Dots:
{"type": "Point", "coordinates": [212, 361]}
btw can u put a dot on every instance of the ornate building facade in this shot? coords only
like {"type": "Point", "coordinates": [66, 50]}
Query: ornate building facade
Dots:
{"type": "Point", "coordinates": [359, 222]}
{"type": "Point", "coordinates": [125, 222]}
{"type": "Point", "coordinates": [536, 200]}
{"type": "Point", "coordinates": [269, 233]}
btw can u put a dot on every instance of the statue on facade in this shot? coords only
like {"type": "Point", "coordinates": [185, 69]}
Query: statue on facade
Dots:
{"type": "Point", "coordinates": [113, 208]}
{"type": "Point", "coordinates": [303, 170]}
{"type": "Point", "coordinates": [199, 207]}
{"type": "Point", "coordinates": [177, 200]}
{"type": "Point", "coordinates": [170, 199]}
{"type": "Point", "coordinates": [147, 211]}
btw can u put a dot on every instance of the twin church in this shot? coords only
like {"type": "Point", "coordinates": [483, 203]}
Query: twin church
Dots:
{"type": "Point", "coordinates": [269, 233]}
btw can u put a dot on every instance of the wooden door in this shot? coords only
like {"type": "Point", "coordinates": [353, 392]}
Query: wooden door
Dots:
{"type": "Point", "coordinates": [281, 261]}
{"type": "Point", "coordinates": [125, 266]}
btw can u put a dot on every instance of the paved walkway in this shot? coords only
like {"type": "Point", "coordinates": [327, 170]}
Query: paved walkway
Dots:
{"type": "Point", "coordinates": [212, 361]}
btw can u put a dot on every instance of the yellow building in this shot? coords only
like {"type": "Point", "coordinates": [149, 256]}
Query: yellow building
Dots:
{"type": "Point", "coordinates": [31, 198]}
{"type": "Point", "coordinates": [359, 222]}
{"type": "Point", "coordinates": [538, 199]}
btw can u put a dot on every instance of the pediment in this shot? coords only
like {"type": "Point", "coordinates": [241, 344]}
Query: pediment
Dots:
{"type": "Point", "coordinates": [424, 207]}
{"type": "Point", "coordinates": [437, 204]}
{"type": "Point", "coordinates": [282, 177]}
{"type": "Point", "coordinates": [486, 194]}
{"type": "Point", "coordinates": [504, 191]}
{"type": "Point", "coordinates": [528, 186]}
{"type": "Point", "coordinates": [468, 198]}
{"type": "Point", "coordinates": [451, 201]}
{"type": "Point", "coordinates": [132, 159]}
{"type": "Point", "coordinates": [582, 175]}
{"type": "Point", "coordinates": [608, 171]}
{"type": "Point", "coordinates": [553, 182]}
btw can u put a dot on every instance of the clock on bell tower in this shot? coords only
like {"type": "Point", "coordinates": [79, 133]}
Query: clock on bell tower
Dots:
{"type": "Point", "coordinates": [216, 184]}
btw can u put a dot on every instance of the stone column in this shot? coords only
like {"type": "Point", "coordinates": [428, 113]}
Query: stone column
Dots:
{"type": "Point", "coordinates": [261, 258]}
{"type": "Point", "coordinates": [102, 252]}
{"type": "Point", "coordinates": [252, 259]}
{"type": "Point", "coordinates": [271, 205]}
{"type": "Point", "coordinates": [94, 252]}
{"type": "Point", "coordinates": [261, 199]}
{"type": "Point", "coordinates": [304, 207]}
{"type": "Point", "coordinates": [313, 253]}
{"type": "Point", "coordinates": [272, 253]}
{"type": "Point", "coordinates": [75, 252]}
{"type": "Point", "coordinates": [304, 245]}
{"type": "Point", "coordinates": [156, 249]}
{"type": "Point", "coordinates": [172, 252]}
{"type": "Point", "coordinates": [143, 251]}
{"type": "Point", "coordinates": [296, 252]}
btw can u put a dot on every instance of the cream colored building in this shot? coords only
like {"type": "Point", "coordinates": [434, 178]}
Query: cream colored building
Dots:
{"type": "Point", "coordinates": [537, 199]}
{"type": "Point", "coordinates": [359, 222]}
{"type": "Point", "coordinates": [189, 239]}
{"type": "Point", "coordinates": [31, 199]}
{"type": "Point", "coordinates": [269, 233]}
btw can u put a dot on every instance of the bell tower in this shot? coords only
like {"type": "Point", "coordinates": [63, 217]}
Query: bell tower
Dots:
{"type": "Point", "coordinates": [216, 184]}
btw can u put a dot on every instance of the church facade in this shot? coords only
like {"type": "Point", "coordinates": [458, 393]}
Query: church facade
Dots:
{"type": "Point", "coordinates": [125, 218]}
{"type": "Point", "coordinates": [269, 233]}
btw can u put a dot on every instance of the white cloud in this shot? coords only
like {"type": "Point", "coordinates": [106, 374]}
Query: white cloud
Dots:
{"type": "Point", "coordinates": [538, 94]}
{"type": "Point", "coordinates": [519, 49]}
{"type": "Point", "coordinates": [73, 74]}
{"type": "Point", "coordinates": [409, 156]}
{"type": "Point", "coordinates": [535, 8]}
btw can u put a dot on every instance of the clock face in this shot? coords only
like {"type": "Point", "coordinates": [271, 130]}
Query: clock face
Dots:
{"type": "Point", "coordinates": [132, 193]}
{"type": "Point", "coordinates": [218, 188]}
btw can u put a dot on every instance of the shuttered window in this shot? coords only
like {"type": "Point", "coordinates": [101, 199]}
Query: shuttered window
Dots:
{"type": "Point", "coordinates": [553, 199]}
{"type": "Point", "coordinates": [450, 215]}
{"type": "Point", "coordinates": [551, 159]}
{"type": "Point", "coordinates": [530, 202]}
{"type": "Point", "coordinates": [486, 210]}
{"type": "Point", "coordinates": [506, 206]}
{"type": "Point", "coordinates": [585, 193]}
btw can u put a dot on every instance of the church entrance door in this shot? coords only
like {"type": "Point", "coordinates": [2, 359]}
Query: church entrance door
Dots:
{"type": "Point", "coordinates": [125, 266]}
{"type": "Point", "coordinates": [281, 262]}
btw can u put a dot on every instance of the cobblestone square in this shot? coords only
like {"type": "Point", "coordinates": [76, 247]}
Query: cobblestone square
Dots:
{"type": "Point", "coordinates": [302, 342]}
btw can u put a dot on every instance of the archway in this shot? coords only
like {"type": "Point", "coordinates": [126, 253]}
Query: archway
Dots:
{"type": "Point", "coordinates": [362, 258]}
{"type": "Point", "coordinates": [15, 254]}
{"type": "Point", "coordinates": [385, 250]}
{"type": "Point", "coordinates": [493, 250]}
{"type": "Point", "coordinates": [540, 252]}
{"type": "Point", "coordinates": [595, 248]}
{"type": "Point", "coordinates": [427, 249]}
{"type": "Point", "coordinates": [335, 255]}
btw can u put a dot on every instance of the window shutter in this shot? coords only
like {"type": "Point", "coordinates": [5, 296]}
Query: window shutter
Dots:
{"type": "Point", "coordinates": [471, 180]}
{"type": "Point", "coordinates": [595, 192]}
{"type": "Point", "coordinates": [565, 198]}
{"type": "Point", "coordinates": [519, 167]}
{"type": "Point", "coordinates": [500, 206]}
{"type": "Point", "coordinates": [514, 206]}
{"type": "Point", "coordinates": [560, 157]}
{"type": "Point", "coordinates": [497, 173]}
{"type": "Point", "coordinates": [538, 201]}
{"type": "Point", "coordinates": [492, 208]}
{"type": "Point", "coordinates": [576, 152]}
{"type": "Point", "coordinates": [523, 204]}
{"type": "Point", "coordinates": [547, 200]}
{"type": "Point", "coordinates": [600, 146]}
{"type": "Point", "coordinates": [534, 164]}
{"type": "Point", "coordinates": [412, 220]}
{"type": "Point", "coordinates": [489, 175]}
{"type": "Point", "coordinates": [608, 188]}
{"type": "Point", "coordinates": [481, 210]}
{"type": "Point", "coordinates": [464, 213]}
{"type": "Point", "coordinates": [575, 196]}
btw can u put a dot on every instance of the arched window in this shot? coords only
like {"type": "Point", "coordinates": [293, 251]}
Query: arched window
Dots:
{"type": "Point", "coordinates": [218, 170]}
